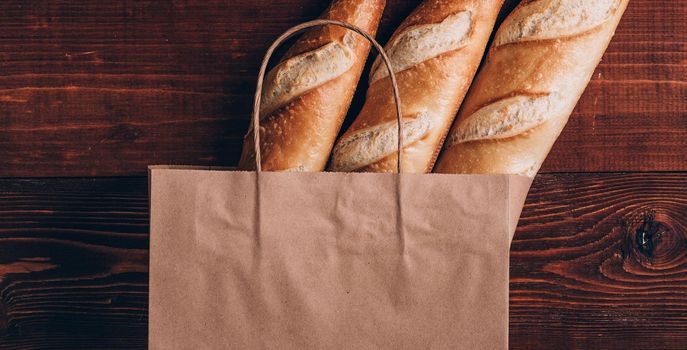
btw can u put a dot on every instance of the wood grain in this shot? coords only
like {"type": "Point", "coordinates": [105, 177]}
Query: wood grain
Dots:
{"type": "Point", "coordinates": [599, 261]}
{"type": "Point", "coordinates": [97, 88]}
{"type": "Point", "coordinates": [73, 264]}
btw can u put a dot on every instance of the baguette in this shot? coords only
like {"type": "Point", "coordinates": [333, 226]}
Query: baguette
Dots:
{"type": "Point", "coordinates": [307, 95]}
{"type": "Point", "coordinates": [540, 62]}
{"type": "Point", "coordinates": [434, 53]}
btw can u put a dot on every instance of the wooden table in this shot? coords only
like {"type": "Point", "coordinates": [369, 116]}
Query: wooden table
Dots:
{"type": "Point", "coordinates": [91, 92]}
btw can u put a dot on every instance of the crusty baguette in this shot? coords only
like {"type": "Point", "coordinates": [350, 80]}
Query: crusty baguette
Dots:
{"type": "Point", "coordinates": [435, 53]}
{"type": "Point", "coordinates": [542, 58]}
{"type": "Point", "coordinates": [307, 95]}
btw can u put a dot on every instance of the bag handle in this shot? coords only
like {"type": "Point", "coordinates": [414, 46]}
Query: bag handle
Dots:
{"type": "Point", "coordinates": [298, 29]}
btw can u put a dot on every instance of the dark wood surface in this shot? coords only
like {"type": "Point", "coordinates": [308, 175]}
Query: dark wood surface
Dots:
{"type": "Point", "coordinates": [170, 82]}
{"type": "Point", "coordinates": [104, 88]}
{"type": "Point", "coordinates": [599, 261]}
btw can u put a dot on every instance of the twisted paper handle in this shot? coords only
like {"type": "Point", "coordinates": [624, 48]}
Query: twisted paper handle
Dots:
{"type": "Point", "coordinates": [295, 30]}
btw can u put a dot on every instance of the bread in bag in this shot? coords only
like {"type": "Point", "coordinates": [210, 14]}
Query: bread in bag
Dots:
{"type": "Point", "coordinates": [307, 95]}
{"type": "Point", "coordinates": [540, 62]}
{"type": "Point", "coordinates": [435, 53]}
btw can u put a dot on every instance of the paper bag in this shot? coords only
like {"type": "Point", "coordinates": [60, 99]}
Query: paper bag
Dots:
{"type": "Point", "coordinates": [330, 261]}
{"type": "Point", "coordinates": [259, 260]}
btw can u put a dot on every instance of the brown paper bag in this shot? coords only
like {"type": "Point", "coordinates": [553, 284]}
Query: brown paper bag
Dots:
{"type": "Point", "coordinates": [256, 260]}
{"type": "Point", "coordinates": [329, 260]}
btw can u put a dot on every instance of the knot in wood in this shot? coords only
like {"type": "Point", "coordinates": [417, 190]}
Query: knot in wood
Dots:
{"type": "Point", "coordinates": [656, 241]}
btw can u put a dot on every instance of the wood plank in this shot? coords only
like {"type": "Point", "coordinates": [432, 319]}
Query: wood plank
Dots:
{"type": "Point", "coordinates": [599, 261]}
{"type": "Point", "coordinates": [73, 263]}
{"type": "Point", "coordinates": [108, 87]}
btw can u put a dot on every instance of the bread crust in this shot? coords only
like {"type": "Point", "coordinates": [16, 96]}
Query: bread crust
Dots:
{"type": "Point", "coordinates": [435, 62]}
{"type": "Point", "coordinates": [307, 95]}
{"type": "Point", "coordinates": [554, 61]}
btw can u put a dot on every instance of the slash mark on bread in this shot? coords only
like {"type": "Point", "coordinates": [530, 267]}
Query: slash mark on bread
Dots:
{"type": "Point", "coordinates": [307, 71]}
{"type": "Point", "coordinates": [554, 20]}
{"type": "Point", "coordinates": [370, 145]}
{"type": "Point", "coordinates": [508, 117]}
{"type": "Point", "coordinates": [420, 43]}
